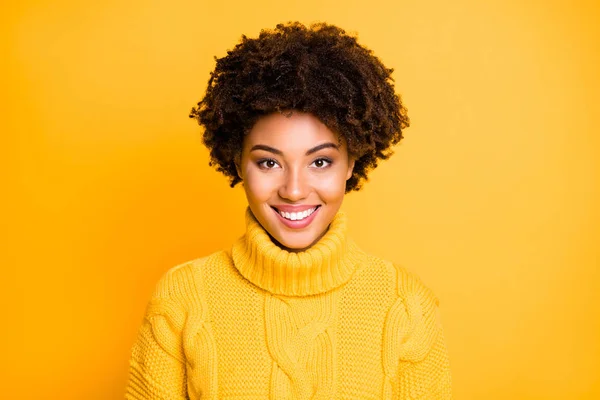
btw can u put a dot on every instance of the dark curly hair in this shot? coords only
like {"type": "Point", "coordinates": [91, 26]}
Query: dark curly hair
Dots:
{"type": "Point", "coordinates": [319, 70]}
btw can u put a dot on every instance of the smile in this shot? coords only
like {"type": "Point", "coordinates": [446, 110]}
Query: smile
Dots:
{"type": "Point", "coordinates": [297, 220]}
{"type": "Point", "coordinates": [297, 216]}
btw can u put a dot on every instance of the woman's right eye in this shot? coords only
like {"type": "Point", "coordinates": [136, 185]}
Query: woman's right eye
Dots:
{"type": "Point", "coordinates": [268, 163]}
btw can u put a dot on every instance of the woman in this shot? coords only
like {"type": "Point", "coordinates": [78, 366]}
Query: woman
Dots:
{"type": "Point", "coordinates": [294, 309]}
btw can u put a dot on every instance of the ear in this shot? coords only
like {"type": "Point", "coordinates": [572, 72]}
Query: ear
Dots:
{"type": "Point", "coordinates": [351, 161]}
{"type": "Point", "coordinates": [237, 161]}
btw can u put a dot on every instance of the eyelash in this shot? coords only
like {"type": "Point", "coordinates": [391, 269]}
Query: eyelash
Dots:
{"type": "Point", "coordinates": [327, 160]}
{"type": "Point", "coordinates": [263, 161]}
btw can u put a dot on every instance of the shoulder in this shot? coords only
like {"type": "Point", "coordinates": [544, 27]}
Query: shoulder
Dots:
{"type": "Point", "coordinates": [179, 287]}
{"type": "Point", "coordinates": [177, 295]}
{"type": "Point", "coordinates": [407, 283]}
{"type": "Point", "coordinates": [175, 280]}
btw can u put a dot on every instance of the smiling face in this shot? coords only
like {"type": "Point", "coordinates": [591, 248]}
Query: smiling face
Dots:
{"type": "Point", "coordinates": [294, 171]}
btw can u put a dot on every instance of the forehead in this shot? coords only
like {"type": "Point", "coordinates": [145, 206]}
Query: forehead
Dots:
{"type": "Point", "coordinates": [298, 131]}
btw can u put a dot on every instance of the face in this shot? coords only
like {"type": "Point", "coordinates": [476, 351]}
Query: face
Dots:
{"type": "Point", "coordinates": [294, 171]}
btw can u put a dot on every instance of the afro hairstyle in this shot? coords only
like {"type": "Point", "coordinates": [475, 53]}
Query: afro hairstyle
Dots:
{"type": "Point", "coordinates": [320, 70]}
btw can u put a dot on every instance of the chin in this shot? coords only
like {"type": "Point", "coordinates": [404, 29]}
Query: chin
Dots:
{"type": "Point", "coordinates": [297, 246]}
{"type": "Point", "coordinates": [288, 238]}
{"type": "Point", "coordinates": [298, 243]}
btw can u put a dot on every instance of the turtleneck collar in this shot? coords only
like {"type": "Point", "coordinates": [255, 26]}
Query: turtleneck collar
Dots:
{"type": "Point", "coordinates": [327, 264]}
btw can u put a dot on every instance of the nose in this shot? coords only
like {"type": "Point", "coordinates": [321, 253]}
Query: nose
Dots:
{"type": "Point", "coordinates": [294, 186]}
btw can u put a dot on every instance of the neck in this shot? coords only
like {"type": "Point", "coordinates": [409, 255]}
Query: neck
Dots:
{"type": "Point", "coordinates": [321, 267]}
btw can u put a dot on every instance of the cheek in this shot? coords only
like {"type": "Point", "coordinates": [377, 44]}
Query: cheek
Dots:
{"type": "Point", "coordinates": [258, 186]}
{"type": "Point", "coordinates": [332, 187]}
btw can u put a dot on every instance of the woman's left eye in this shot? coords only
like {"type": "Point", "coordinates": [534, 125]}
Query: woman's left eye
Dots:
{"type": "Point", "coordinates": [321, 163]}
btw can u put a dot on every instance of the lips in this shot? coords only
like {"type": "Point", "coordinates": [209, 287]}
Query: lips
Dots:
{"type": "Point", "coordinates": [298, 223]}
{"type": "Point", "coordinates": [294, 209]}
{"type": "Point", "coordinates": [295, 216]}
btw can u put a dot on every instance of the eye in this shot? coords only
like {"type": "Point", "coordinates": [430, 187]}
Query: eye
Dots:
{"type": "Point", "coordinates": [267, 163]}
{"type": "Point", "coordinates": [321, 163]}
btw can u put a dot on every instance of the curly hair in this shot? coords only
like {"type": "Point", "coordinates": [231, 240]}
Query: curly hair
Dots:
{"type": "Point", "coordinates": [319, 70]}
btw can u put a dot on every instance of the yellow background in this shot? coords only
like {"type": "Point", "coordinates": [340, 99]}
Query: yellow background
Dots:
{"type": "Point", "coordinates": [492, 198]}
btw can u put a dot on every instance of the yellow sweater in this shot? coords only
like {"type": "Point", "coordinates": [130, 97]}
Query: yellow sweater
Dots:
{"type": "Point", "coordinates": [258, 322]}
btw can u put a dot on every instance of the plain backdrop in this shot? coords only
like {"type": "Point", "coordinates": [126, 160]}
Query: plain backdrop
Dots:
{"type": "Point", "coordinates": [492, 197]}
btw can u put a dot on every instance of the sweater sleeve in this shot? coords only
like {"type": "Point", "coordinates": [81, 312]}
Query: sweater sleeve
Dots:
{"type": "Point", "coordinates": [157, 367]}
{"type": "Point", "coordinates": [423, 368]}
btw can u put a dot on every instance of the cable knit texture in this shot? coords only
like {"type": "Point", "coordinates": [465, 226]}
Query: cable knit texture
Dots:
{"type": "Point", "coordinates": [259, 322]}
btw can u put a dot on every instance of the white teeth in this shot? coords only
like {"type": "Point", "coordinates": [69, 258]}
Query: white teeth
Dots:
{"type": "Point", "coordinates": [297, 216]}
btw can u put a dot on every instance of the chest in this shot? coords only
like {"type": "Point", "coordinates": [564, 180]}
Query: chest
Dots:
{"type": "Point", "coordinates": [256, 345]}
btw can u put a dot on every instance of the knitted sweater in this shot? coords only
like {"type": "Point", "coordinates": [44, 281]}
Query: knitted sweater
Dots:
{"type": "Point", "coordinates": [259, 322]}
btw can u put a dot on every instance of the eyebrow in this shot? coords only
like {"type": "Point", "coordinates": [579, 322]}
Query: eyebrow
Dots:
{"type": "Point", "coordinates": [308, 152]}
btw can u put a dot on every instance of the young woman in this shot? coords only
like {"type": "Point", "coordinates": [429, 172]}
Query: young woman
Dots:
{"type": "Point", "coordinates": [294, 309]}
